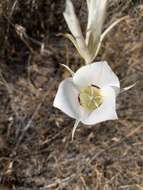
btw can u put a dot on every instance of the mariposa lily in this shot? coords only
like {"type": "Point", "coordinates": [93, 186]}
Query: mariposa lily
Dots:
{"type": "Point", "coordinates": [89, 47]}
{"type": "Point", "coordinates": [90, 95]}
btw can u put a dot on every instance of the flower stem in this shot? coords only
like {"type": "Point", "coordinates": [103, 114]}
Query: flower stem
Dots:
{"type": "Point", "coordinates": [74, 128]}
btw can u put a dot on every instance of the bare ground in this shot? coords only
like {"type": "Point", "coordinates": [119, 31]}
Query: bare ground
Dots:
{"type": "Point", "coordinates": [36, 152]}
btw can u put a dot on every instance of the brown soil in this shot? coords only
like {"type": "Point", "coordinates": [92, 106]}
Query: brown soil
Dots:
{"type": "Point", "coordinates": [36, 152]}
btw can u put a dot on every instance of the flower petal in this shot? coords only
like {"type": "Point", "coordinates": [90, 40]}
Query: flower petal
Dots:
{"type": "Point", "coordinates": [67, 98]}
{"type": "Point", "coordinates": [98, 73]}
{"type": "Point", "coordinates": [74, 26]}
{"type": "Point", "coordinates": [72, 20]}
{"type": "Point", "coordinates": [117, 90]}
{"type": "Point", "coordinates": [88, 4]}
{"type": "Point", "coordinates": [107, 111]}
{"type": "Point", "coordinates": [75, 43]}
{"type": "Point", "coordinates": [96, 15]}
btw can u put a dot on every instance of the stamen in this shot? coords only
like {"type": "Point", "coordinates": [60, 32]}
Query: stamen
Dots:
{"type": "Point", "coordinates": [90, 97]}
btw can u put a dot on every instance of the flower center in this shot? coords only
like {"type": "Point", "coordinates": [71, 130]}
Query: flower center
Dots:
{"type": "Point", "coordinates": [90, 97]}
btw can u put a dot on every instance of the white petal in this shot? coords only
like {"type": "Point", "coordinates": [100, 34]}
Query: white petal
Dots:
{"type": "Point", "coordinates": [74, 27]}
{"type": "Point", "coordinates": [98, 73]}
{"type": "Point", "coordinates": [71, 19]}
{"type": "Point", "coordinates": [88, 4]}
{"type": "Point", "coordinates": [67, 98]}
{"type": "Point", "coordinates": [117, 90]}
{"type": "Point", "coordinates": [107, 111]}
{"type": "Point", "coordinates": [96, 15]}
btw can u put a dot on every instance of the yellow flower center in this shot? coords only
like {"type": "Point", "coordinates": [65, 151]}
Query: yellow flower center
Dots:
{"type": "Point", "coordinates": [90, 97]}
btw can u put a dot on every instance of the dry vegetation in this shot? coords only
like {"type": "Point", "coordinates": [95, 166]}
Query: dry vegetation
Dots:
{"type": "Point", "coordinates": [36, 152]}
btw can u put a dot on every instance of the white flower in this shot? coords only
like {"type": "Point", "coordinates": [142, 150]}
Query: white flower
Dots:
{"type": "Point", "coordinates": [90, 95]}
{"type": "Point", "coordinates": [89, 47]}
